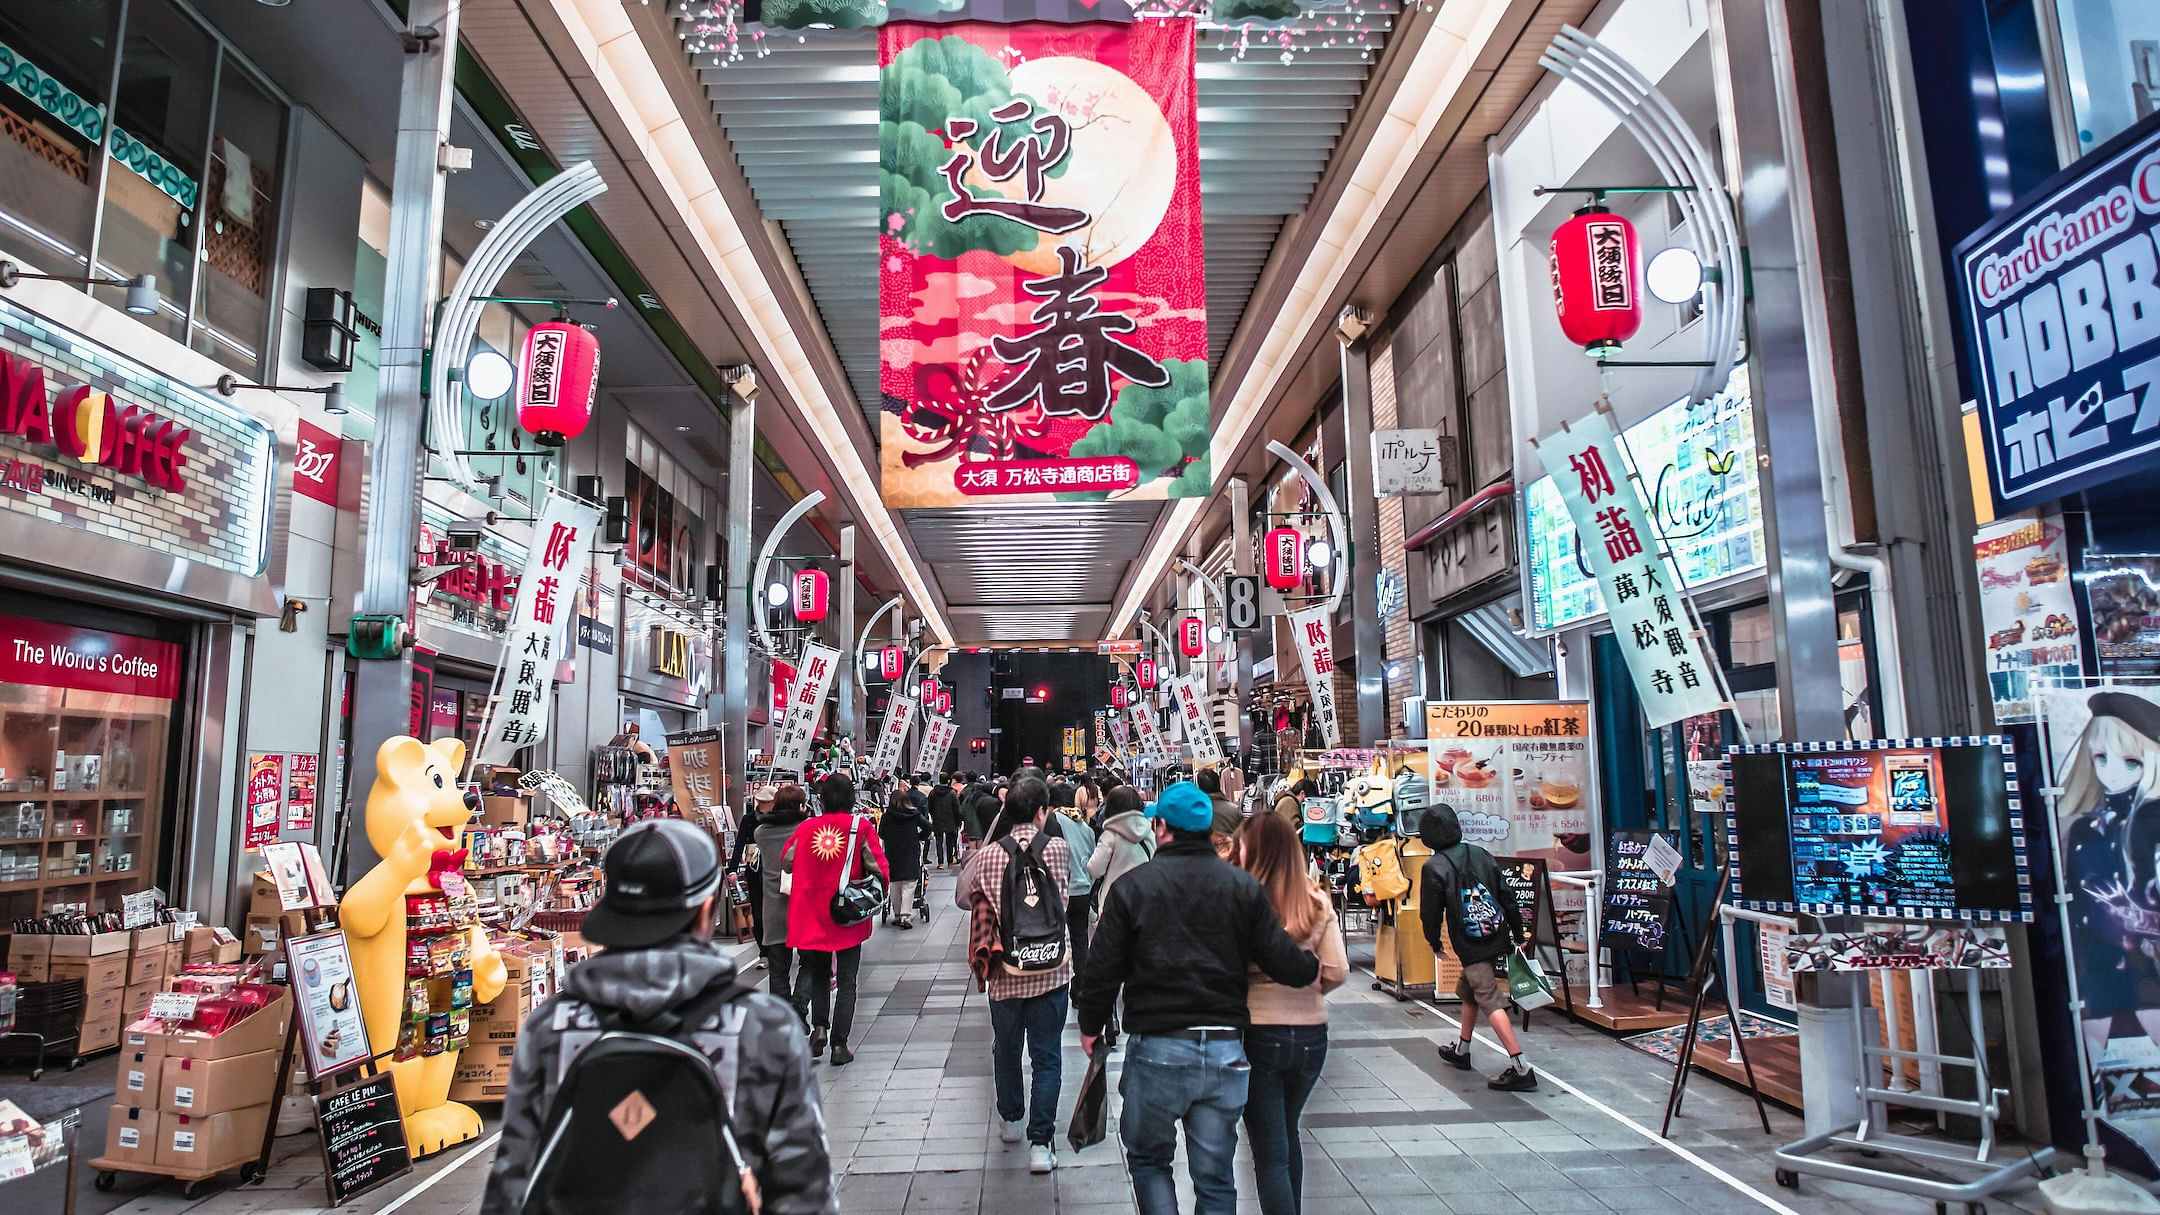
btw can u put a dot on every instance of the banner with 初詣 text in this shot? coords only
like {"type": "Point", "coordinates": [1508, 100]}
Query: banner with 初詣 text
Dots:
{"type": "Point", "coordinates": [1042, 291]}
{"type": "Point", "coordinates": [898, 717]}
{"type": "Point", "coordinates": [937, 737]}
{"type": "Point", "coordinates": [1199, 731]}
{"type": "Point", "coordinates": [806, 699]}
{"type": "Point", "coordinates": [1674, 674]}
{"type": "Point", "coordinates": [555, 565]}
{"type": "Point", "coordinates": [1316, 652]}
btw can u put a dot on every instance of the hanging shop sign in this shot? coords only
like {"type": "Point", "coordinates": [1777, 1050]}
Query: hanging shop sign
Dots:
{"type": "Point", "coordinates": [1149, 733]}
{"type": "Point", "coordinates": [899, 716]}
{"type": "Point", "coordinates": [40, 654]}
{"type": "Point", "coordinates": [94, 441]}
{"type": "Point", "coordinates": [2026, 609]}
{"type": "Point", "coordinates": [1283, 554]}
{"type": "Point", "coordinates": [2062, 312]}
{"type": "Point", "coordinates": [315, 464]}
{"type": "Point", "coordinates": [1675, 676]}
{"type": "Point", "coordinates": [1192, 637]}
{"type": "Point", "coordinates": [1144, 673]}
{"type": "Point", "coordinates": [1410, 462]}
{"type": "Point", "coordinates": [805, 701]}
{"type": "Point", "coordinates": [1316, 653]}
{"type": "Point", "coordinates": [558, 376]}
{"type": "Point", "coordinates": [1698, 464]}
{"type": "Point", "coordinates": [937, 738]}
{"type": "Point", "coordinates": [813, 589]}
{"type": "Point", "coordinates": [1597, 280]}
{"type": "Point", "coordinates": [1199, 731]}
{"type": "Point", "coordinates": [1042, 287]}
{"type": "Point", "coordinates": [1117, 697]}
{"type": "Point", "coordinates": [539, 624]}
{"type": "Point", "coordinates": [892, 662]}
{"type": "Point", "coordinates": [1518, 776]}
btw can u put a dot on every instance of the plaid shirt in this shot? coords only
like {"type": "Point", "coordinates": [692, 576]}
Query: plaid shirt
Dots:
{"type": "Point", "coordinates": [989, 881]}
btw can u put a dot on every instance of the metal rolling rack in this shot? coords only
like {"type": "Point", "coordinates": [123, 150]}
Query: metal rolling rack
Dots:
{"type": "Point", "coordinates": [1801, 1157]}
{"type": "Point", "coordinates": [62, 1140]}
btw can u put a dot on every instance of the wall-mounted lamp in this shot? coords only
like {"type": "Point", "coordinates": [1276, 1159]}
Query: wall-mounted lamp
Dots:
{"type": "Point", "coordinates": [142, 292]}
{"type": "Point", "coordinates": [333, 395]}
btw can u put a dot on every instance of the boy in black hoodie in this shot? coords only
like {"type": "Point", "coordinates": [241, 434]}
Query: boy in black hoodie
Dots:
{"type": "Point", "coordinates": [1462, 890]}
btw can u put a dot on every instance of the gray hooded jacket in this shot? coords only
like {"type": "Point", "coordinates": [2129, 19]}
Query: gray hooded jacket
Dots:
{"type": "Point", "coordinates": [756, 1045]}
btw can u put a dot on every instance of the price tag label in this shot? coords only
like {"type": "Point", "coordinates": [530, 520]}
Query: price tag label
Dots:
{"type": "Point", "coordinates": [15, 1158]}
{"type": "Point", "coordinates": [138, 910]}
{"type": "Point", "coordinates": [173, 1005]}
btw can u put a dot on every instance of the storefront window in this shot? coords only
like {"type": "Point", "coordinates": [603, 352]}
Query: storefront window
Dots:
{"type": "Point", "coordinates": [2111, 55]}
{"type": "Point", "coordinates": [56, 63]}
{"type": "Point", "coordinates": [168, 69]}
{"type": "Point", "coordinates": [240, 213]}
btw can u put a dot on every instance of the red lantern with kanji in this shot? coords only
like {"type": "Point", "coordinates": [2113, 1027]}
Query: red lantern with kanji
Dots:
{"type": "Point", "coordinates": [812, 589]}
{"type": "Point", "coordinates": [1117, 697]}
{"type": "Point", "coordinates": [558, 373]}
{"type": "Point", "coordinates": [892, 661]}
{"type": "Point", "coordinates": [1284, 555]}
{"type": "Point", "coordinates": [1144, 671]}
{"type": "Point", "coordinates": [930, 690]}
{"type": "Point", "coordinates": [1597, 280]}
{"type": "Point", "coordinates": [944, 700]}
{"type": "Point", "coordinates": [1191, 637]}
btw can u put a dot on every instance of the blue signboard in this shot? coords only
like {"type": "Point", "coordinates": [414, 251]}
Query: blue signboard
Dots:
{"type": "Point", "coordinates": [2062, 316]}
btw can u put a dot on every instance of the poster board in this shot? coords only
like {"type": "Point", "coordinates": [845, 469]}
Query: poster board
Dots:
{"type": "Point", "coordinates": [326, 1004]}
{"type": "Point", "coordinates": [1520, 779]}
{"type": "Point", "coordinates": [694, 768]}
{"type": "Point", "coordinates": [362, 1137]}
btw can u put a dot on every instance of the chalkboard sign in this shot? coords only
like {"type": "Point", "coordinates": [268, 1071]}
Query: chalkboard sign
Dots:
{"type": "Point", "coordinates": [1637, 905]}
{"type": "Point", "coordinates": [363, 1138]}
{"type": "Point", "coordinates": [1526, 878]}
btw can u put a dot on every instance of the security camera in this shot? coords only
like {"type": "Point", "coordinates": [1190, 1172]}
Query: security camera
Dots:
{"type": "Point", "coordinates": [464, 535]}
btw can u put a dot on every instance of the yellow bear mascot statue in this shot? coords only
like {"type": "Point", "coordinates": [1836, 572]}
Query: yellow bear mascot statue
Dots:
{"type": "Point", "coordinates": [415, 813]}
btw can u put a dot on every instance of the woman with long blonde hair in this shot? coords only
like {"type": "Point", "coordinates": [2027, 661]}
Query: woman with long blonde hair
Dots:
{"type": "Point", "coordinates": [1287, 1044]}
{"type": "Point", "coordinates": [2110, 810]}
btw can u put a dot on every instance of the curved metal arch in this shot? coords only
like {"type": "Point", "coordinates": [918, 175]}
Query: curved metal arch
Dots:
{"type": "Point", "coordinates": [1222, 606]}
{"type": "Point", "coordinates": [764, 559]}
{"type": "Point", "coordinates": [863, 639]}
{"type": "Point", "coordinates": [460, 318]}
{"type": "Point", "coordinates": [1338, 533]}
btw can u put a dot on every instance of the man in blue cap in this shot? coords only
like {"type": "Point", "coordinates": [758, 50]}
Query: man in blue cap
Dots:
{"type": "Point", "coordinates": [1177, 935]}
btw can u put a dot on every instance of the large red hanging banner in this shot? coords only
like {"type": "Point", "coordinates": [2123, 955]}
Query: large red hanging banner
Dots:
{"type": "Point", "coordinates": [1042, 296]}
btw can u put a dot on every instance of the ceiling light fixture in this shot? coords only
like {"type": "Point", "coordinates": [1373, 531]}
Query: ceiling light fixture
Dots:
{"type": "Point", "coordinates": [142, 292]}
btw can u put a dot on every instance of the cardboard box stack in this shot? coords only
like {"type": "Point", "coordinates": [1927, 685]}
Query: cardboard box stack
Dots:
{"type": "Point", "coordinates": [100, 961]}
{"type": "Point", "coordinates": [195, 1096]}
{"type": "Point", "coordinates": [120, 970]}
{"type": "Point", "coordinates": [261, 932]}
{"type": "Point", "coordinates": [502, 803]}
{"type": "Point", "coordinates": [534, 961]}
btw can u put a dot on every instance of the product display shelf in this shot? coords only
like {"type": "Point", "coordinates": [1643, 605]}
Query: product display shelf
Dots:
{"type": "Point", "coordinates": [126, 745]}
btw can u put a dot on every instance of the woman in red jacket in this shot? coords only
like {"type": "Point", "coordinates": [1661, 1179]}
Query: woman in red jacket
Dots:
{"type": "Point", "coordinates": [819, 858]}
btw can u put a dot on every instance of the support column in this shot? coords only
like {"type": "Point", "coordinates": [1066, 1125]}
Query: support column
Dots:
{"type": "Point", "coordinates": [851, 704]}
{"type": "Point", "coordinates": [742, 600]}
{"type": "Point", "coordinates": [1362, 563]}
{"type": "Point", "coordinates": [382, 690]}
{"type": "Point", "coordinates": [1803, 604]}
{"type": "Point", "coordinates": [1241, 562]}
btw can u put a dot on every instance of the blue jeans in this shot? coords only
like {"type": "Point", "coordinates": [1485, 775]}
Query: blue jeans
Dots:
{"type": "Point", "coordinates": [1286, 1063]}
{"type": "Point", "coordinates": [1201, 1084]}
{"type": "Point", "coordinates": [1041, 1021]}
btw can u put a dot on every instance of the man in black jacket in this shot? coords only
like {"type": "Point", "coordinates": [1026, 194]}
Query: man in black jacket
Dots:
{"type": "Point", "coordinates": [1461, 891]}
{"type": "Point", "coordinates": [656, 920]}
{"type": "Point", "coordinates": [1178, 935]}
{"type": "Point", "coordinates": [945, 819]}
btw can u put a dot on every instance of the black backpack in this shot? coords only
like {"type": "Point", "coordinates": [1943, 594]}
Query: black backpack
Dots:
{"type": "Point", "coordinates": [1475, 905]}
{"type": "Point", "coordinates": [1031, 920]}
{"type": "Point", "coordinates": [639, 1123]}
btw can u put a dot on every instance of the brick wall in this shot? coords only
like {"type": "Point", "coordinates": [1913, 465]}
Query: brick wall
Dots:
{"type": "Point", "coordinates": [223, 520]}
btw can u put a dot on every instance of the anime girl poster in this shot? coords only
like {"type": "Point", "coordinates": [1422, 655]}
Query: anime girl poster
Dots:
{"type": "Point", "coordinates": [2104, 742]}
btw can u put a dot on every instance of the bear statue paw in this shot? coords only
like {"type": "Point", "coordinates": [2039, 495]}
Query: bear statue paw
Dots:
{"type": "Point", "coordinates": [445, 1126]}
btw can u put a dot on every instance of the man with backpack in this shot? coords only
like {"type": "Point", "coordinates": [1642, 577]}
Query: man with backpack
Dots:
{"type": "Point", "coordinates": [1025, 876]}
{"type": "Point", "coordinates": [1461, 890]}
{"type": "Point", "coordinates": [656, 1080]}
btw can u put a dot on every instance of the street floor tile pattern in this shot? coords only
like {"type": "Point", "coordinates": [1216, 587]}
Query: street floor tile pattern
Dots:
{"type": "Point", "coordinates": [1389, 1130]}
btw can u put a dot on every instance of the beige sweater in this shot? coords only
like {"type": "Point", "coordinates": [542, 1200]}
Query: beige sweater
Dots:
{"type": "Point", "coordinates": [1273, 1004]}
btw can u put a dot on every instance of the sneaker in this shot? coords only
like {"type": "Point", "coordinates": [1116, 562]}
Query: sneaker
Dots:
{"type": "Point", "coordinates": [1042, 1159]}
{"type": "Point", "coordinates": [1457, 1055]}
{"type": "Point", "coordinates": [1012, 1132]}
{"type": "Point", "coordinates": [1517, 1079]}
{"type": "Point", "coordinates": [842, 1056]}
{"type": "Point", "coordinates": [817, 1042]}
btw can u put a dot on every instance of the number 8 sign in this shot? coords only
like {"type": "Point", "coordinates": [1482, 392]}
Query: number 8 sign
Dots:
{"type": "Point", "coordinates": [1241, 602]}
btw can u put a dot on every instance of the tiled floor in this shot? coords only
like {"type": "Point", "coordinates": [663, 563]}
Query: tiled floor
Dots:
{"type": "Point", "coordinates": [1389, 1129]}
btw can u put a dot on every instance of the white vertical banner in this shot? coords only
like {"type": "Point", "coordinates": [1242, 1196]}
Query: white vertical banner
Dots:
{"type": "Point", "coordinates": [937, 736]}
{"type": "Point", "coordinates": [1199, 731]}
{"type": "Point", "coordinates": [898, 717]}
{"type": "Point", "coordinates": [555, 563]}
{"type": "Point", "coordinates": [1675, 676]}
{"type": "Point", "coordinates": [813, 678]}
{"type": "Point", "coordinates": [1316, 651]}
{"type": "Point", "coordinates": [1151, 741]}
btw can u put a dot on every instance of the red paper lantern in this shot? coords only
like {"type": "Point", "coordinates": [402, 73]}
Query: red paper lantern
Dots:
{"type": "Point", "coordinates": [783, 679]}
{"type": "Point", "coordinates": [1285, 558]}
{"type": "Point", "coordinates": [1145, 671]}
{"type": "Point", "coordinates": [558, 373]}
{"type": "Point", "coordinates": [1191, 637]}
{"type": "Point", "coordinates": [930, 690]}
{"type": "Point", "coordinates": [892, 662]}
{"type": "Point", "coordinates": [1117, 697]}
{"type": "Point", "coordinates": [812, 589]}
{"type": "Point", "coordinates": [1597, 280]}
{"type": "Point", "coordinates": [944, 700]}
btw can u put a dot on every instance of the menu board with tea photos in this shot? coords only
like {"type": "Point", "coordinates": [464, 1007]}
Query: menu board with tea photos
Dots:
{"type": "Point", "coordinates": [1518, 776]}
{"type": "Point", "coordinates": [332, 1034]}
